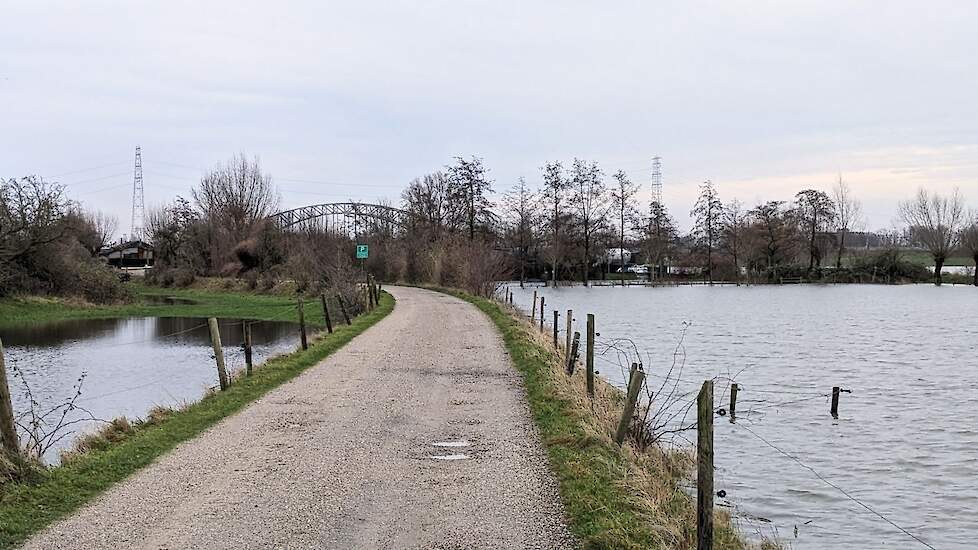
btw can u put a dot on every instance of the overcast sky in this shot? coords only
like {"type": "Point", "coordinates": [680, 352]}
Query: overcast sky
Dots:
{"type": "Point", "coordinates": [351, 100]}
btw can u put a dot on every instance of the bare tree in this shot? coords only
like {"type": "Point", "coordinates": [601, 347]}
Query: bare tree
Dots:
{"type": "Point", "coordinates": [815, 209]}
{"type": "Point", "coordinates": [427, 199]}
{"type": "Point", "coordinates": [555, 191]}
{"type": "Point", "coordinates": [848, 213]}
{"type": "Point", "coordinates": [590, 205]}
{"type": "Point", "coordinates": [708, 215]}
{"type": "Point", "coordinates": [660, 234]}
{"type": "Point", "coordinates": [519, 203]}
{"type": "Point", "coordinates": [969, 241]}
{"type": "Point", "coordinates": [774, 229]}
{"type": "Point", "coordinates": [935, 222]}
{"type": "Point", "coordinates": [732, 239]}
{"type": "Point", "coordinates": [468, 188]}
{"type": "Point", "coordinates": [623, 205]}
{"type": "Point", "coordinates": [105, 226]}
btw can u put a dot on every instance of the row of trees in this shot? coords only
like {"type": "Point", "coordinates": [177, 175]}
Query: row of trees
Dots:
{"type": "Point", "coordinates": [577, 224]}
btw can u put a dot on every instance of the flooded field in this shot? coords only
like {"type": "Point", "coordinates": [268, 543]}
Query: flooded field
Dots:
{"type": "Point", "coordinates": [127, 365]}
{"type": "Point", "coordinates": [905, 444]}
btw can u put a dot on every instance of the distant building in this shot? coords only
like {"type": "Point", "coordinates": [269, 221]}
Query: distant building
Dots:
{"type": "Point", "coordinates": [131, 254]}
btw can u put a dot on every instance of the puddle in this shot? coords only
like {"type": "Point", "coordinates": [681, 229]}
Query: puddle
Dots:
{"type": "Point", "coordinates": [462, 443]}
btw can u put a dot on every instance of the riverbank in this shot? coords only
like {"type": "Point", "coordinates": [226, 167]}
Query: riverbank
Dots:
{"type": "Point", "coordinates": [149, 301]}
{"type": "Point", "coordinates": [47, 495]}
{"type": "Point", "coordinates": [614, 497]}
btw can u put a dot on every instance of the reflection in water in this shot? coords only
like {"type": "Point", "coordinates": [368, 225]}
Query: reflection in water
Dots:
{"type": "Point", "coordinates": [905, 442]}
{"type": "Point", "coordinates": [131, 364]}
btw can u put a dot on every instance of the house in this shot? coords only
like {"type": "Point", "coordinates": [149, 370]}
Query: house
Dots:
{"type": "Point", "coordinates": [128, 254]}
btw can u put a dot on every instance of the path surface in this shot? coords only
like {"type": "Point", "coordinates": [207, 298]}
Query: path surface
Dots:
{"type": "Point", "coordinates": [341, 457]}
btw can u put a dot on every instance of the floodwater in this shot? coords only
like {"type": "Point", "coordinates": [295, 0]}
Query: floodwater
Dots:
{"type": "Point", "coordinates": [129, 365]}
{"type": "Point", "coordinates": [906, 441]}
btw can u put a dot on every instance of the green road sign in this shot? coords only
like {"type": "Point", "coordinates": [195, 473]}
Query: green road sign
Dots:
{"type": "Point", "coordinates": [362, 251]}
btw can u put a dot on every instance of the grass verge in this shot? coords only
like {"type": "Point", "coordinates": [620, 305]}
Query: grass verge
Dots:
{"type": "Point", "coordinates": [614, 497]}
{"type": "Point", "coordinates": [28, 506]}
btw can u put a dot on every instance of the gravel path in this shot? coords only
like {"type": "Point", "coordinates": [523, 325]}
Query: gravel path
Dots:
{"type": "Point", "coordinates": [343, 456]}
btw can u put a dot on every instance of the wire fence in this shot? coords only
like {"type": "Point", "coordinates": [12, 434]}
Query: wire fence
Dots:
{"type": "Point", "coordinates": [673, 404]}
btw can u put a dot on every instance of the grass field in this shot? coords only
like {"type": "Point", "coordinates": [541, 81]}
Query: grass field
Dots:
{"type": "Point", "coordinates": [205, 303]}
{"type": "Point", "coordinates": [29, 505]}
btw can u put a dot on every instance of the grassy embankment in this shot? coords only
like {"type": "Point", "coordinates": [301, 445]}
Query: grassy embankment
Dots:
{"type": "Point", "coordinates": [614, 497]}
{"type": "Point", "coordinates": [29, 505]}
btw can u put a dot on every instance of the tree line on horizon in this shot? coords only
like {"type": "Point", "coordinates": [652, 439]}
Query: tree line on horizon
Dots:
{"type": "Point", "coordinates": [575, 223]}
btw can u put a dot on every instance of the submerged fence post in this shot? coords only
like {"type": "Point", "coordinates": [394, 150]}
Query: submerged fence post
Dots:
{"type": "Point", "coordinates": [222, 373]}
{"type": "Point", "coordinates": [556, 320]}
{"type": "Point", "coordinates": [704, 467]}
{"type": "Point", "coordinates": [835, 402]}
{"type": "Point", "coordinates": [533, 310]}
{"type": "Point", "coordinates": [542, 299]}
{"type": "Point", "coordinates": [302, 323]}
{"type": "Point", "coordinates": [590, 355]}
{"type": "Point", "coordinates": [635, 381]}
{"type": "Point", "coordinates": [8, 430]}
{"type": "Point", "coordinates": [570, 329]}
{"type": "Point", "coordinates": [329, 322]}
{"type": "Point", "coordinates": [572, 353]}
{"type": "Point", "coordinates": [346, 316]}
{"type": "Point", "coordinates": [734, 388]}
{"type": "Point", "coordinates": [246, 344]}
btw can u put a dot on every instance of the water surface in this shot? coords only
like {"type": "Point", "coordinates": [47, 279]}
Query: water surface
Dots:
{"type": "Point", "coordinates": [906, 442]}
{"type": "Point", "coordinates": [127, 365]}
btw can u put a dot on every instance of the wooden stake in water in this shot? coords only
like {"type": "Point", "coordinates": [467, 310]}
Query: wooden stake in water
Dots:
{"type": "Point", "coordinates": [222, 373]}
{"type": "Point", "coordinates": [8, 430]}
{"type": "Point", "coordinates": [589, 355]}
{"type": "Point", "coordinates": [704, 467]}
{"type": "Point", "coordinates": [835, 402]}
{"type": "Point", "coordinates": [635, 381]}
{"type": "Point", "coordinates": [733, 400]}
{"type": "Point", "coordinates": [302, 324]}
{"type": "Point", "coordinates": [246, 344]}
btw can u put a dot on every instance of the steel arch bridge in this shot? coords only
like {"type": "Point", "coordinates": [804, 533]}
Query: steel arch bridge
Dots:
{"type": "Point", "coordinates": [343, 217]}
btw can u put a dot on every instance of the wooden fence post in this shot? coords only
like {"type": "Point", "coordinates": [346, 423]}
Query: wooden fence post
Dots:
{"type": "Point", "coordinates": [572, 353]}
{"type": "Point", "coordinates": [835, 402]}
{"type": "Point", "coordinates": [570, 329]}
{"type": "Point", "coordinates": [533, 310]}
{"type": "Point", "coordinates": [346, 316]}
{"type": "Point", "coordinates": [542, 299]}
{"type": "Point", "coordinates": [8, 430]}
{"type": "Point", "coordinates": [590, 355]}
{"type": "Point", "coordinates": [704, 467]}
{"type": "Point", "coordinates": [222, 373]}
{"type": "Point", "coordinates": [246, 344]}
{"type": "Point", "coordinates": [734, 388]}
{"type": "Point", "coordinates": [556, 320]}
{"type": "Point", "coordinates": [302, 323]}
{"type": "Point", "coordinates": [329, 322]}
{"type": "Point", "coordinates": [635, 381]}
